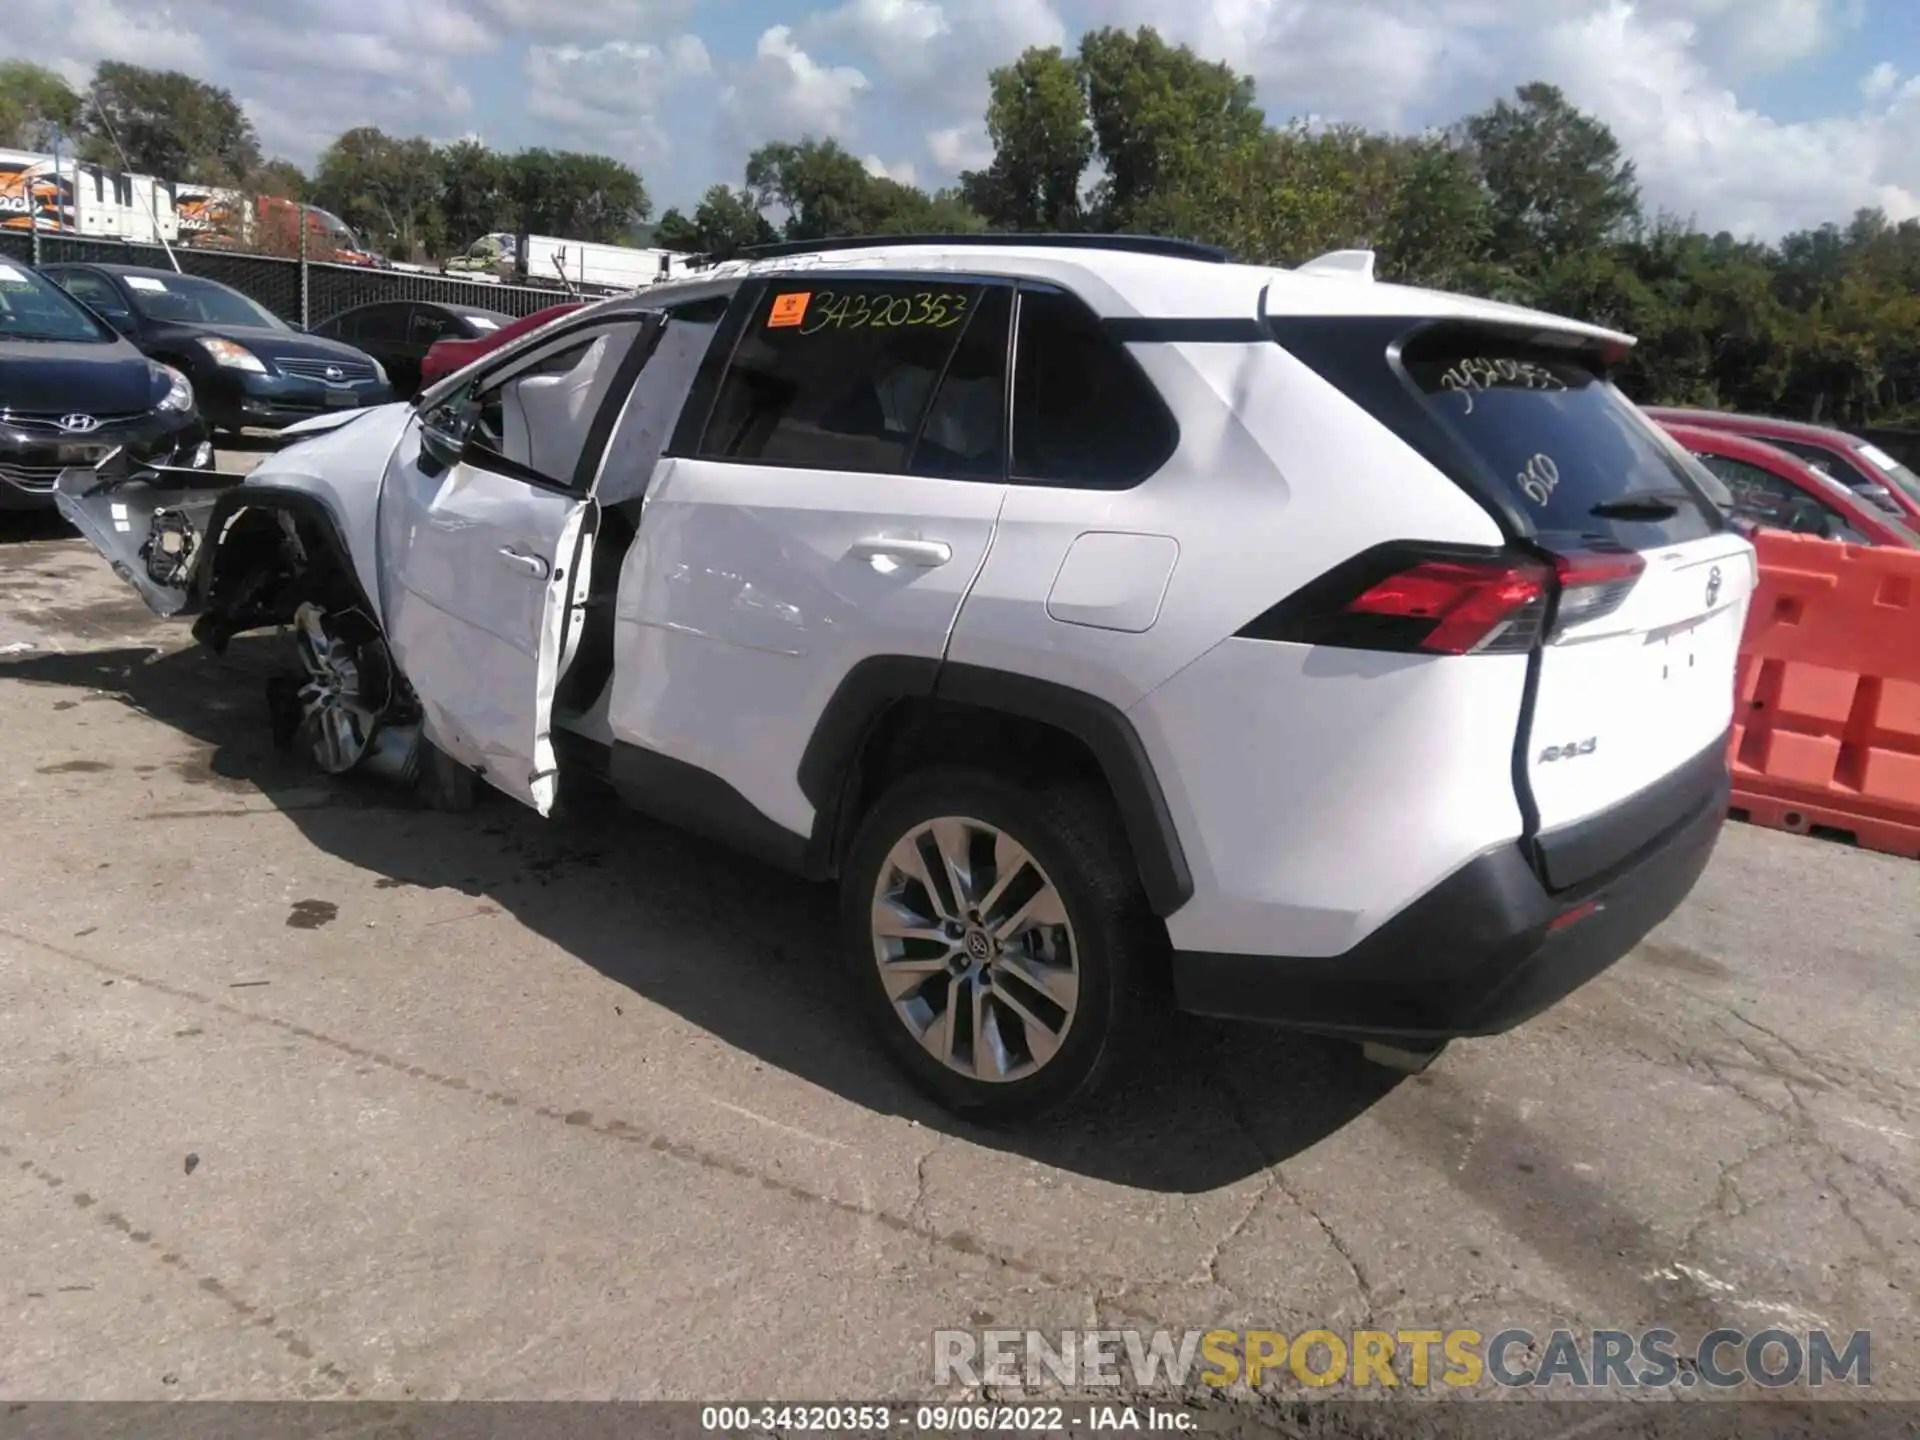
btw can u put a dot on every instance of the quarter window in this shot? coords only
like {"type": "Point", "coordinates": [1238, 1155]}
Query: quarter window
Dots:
{"type": "Point", "coordinates": [1083, 413]}
{"type": "Point", "coordinates": [868, 376]}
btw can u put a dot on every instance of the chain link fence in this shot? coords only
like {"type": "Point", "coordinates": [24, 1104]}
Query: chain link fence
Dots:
{"type": "Point", "coordinates": [301, 292]}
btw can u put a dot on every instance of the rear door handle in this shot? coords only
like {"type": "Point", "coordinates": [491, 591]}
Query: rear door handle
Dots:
{"type": "Point", "coordinates": [927, 554]}
{"type": "Point", "coordinates": [534, 567]}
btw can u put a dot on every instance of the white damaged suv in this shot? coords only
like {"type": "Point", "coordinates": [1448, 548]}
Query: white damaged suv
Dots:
{"type": "Point", "coordinates": [1120, 627]}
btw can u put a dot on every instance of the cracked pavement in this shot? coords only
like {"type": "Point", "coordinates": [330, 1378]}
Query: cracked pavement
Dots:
{"type": "Point", "coordinates": [489, 1107]}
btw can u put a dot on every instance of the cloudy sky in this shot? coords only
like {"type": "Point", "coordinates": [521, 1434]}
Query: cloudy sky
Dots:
{"type": "Point", "coordinates": [1752, 115]}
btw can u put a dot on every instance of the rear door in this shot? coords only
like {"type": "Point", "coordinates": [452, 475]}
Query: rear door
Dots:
{"type": "Point", "coordinates": [1637, 675]}
{"type": "Point", "coordinates": [831, 499]}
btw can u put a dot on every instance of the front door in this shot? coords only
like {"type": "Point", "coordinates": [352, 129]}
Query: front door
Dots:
{"type": "Point", "coordinates": [834, 504]}
{"type": "Point", "coordinates": [484, 527]}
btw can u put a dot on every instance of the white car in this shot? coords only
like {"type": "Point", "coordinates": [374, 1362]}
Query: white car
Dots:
{"type": "Point", "coordinates": [1122, 628]}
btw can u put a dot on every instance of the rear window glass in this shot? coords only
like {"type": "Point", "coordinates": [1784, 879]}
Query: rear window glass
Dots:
{"type": "Point", "coordinates": [1571, 450]}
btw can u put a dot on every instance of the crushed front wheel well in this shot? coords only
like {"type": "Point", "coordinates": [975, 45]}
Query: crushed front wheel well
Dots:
{"type": "Point", "coordinates": [273, 550]}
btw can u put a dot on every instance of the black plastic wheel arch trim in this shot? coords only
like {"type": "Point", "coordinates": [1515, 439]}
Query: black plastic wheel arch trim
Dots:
{"type": "Point", "coordinates": [295, 502]}
{"type": "Point", "coordinates": [871, 687]}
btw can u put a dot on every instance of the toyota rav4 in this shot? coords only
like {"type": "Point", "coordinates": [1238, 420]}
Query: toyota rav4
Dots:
{"type": "Point", "coordinates": [1119, 626]}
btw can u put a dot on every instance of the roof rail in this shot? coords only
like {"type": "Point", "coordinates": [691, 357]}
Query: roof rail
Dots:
{"type": "Point", "coordinates": [1353, 264]}
{"type": "Point", "coordinates": [1138, 244]}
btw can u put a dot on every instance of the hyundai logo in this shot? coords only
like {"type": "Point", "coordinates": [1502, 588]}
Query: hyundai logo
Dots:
{"type": "Point", "coordinates": [1713, 587]}
{"type": "Point", "coordinates": [334, 372]}
{"type": "Point", "coordinates": [78, 424]}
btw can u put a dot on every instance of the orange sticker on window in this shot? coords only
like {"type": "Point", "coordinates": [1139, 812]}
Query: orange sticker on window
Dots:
{"type": "Point", "coordinates": [788, 309]}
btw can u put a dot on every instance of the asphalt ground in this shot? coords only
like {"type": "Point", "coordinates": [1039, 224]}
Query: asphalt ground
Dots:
{"type": "Point", "coordinates": [307, 1091]}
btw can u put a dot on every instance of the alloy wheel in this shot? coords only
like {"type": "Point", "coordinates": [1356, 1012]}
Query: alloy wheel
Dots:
{"type": "Point", "coordinates": [975, 949]}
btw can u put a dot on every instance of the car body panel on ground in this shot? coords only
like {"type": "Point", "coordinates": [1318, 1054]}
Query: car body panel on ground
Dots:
{"type": "Point", "coordinates": [73, 393]}
{"type": "Point", "coordinates": [249, 368]}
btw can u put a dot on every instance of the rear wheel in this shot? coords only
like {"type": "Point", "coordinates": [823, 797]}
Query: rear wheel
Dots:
{"type": "Point", "coordinates": [999, 941]}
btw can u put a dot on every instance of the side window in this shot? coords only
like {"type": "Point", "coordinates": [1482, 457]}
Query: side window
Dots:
{"type": "Point", "coordinates": [1771, 500]}
{"type": "Point", "coordinates": [383, 323]}
{"type": "Point", "coordinates": [429, 326]}
{"type": "Point", "coordinates": [843, 377]}
{"type": "Point", "coordinates": [1083, 413]}
{"type": "Point", "coordinates": [1827, 463]}
{"type": "Point", "coordinates": [535, 421]}
{"type": "Point", "coordinates": [91, 290]}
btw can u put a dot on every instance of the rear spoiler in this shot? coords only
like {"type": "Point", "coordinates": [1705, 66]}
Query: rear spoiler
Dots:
{"type": "Point", "coordinates": [1345, 264]}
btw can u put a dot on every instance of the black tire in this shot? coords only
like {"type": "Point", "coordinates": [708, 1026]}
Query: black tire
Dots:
{"type": "Point", "coordinates": [1074, 835]}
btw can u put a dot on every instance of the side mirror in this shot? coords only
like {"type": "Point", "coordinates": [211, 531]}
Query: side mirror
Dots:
{"type": "Point", "coordinates": [121, 320]}
{"type": "Point", "coordinates": [443, 429]}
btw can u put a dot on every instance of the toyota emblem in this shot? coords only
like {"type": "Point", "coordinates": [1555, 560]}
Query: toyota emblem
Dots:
{"type": "Point", "coordinates": [1713, 587]}
{"type": "Point", "coordinates": [334, 372]}
{"type": "Point", "coordinates": [78, 424]}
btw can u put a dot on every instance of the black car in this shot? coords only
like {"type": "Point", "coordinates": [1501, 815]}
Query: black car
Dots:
{"type": "Point", "coordinates": [248, 366]}
{"type": "Point", "coordinates": [72, 392]}
{"type": "Point", "coordinates": [398, 333]}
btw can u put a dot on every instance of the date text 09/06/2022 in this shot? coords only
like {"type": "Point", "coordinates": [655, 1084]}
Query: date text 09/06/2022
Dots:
{"type": "Point", "coordinates": [941, 1418]}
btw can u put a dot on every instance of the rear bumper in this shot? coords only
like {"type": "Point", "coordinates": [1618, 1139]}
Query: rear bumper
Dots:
{"type": "Point", "coordinates": [1490, 946]}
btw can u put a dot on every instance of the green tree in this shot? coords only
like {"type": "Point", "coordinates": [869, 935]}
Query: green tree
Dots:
{"type": "Point", "coordinates": [475, 192]}
{"type": "Point", "coordinates": [1439, 232]}
{"type": "Point", "coordinates": [576, 196]}
{"type": "Point", "coordinates": [1557, 182]}
{"type": "Point", "coordinates": [282, 178]}
{"type": "Point", "coordinates": [169, 125]}
{"type": "Point", "coordinates": [1042, 143]}
{"type": "Point", "coordinates": [386, 188]}
{"type": "Point", "coordinates": [725, 223]}
{"type": "Point", "coordinates": [35, 106]}
{"type": "Point", "coordinates": [822, 187]}
{"type": "Point", "coordinates": [1161, 116]}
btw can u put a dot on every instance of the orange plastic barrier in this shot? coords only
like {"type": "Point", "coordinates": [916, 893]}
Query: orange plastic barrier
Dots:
{"type": "Point", "coordinates": [1827, 704]}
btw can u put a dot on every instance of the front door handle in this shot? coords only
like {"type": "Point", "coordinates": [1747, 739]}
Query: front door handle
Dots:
{"type": "Point", "coordinates": [534, 567]}
{"type": "Point", "coordinates": [927, 554]}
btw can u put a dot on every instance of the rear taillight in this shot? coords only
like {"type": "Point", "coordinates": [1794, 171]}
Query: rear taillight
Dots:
{"type": "Point", "coordinates": [1461, 607]}
{"type": "Point", "coordinates": [1437, 600]}
{"type": "Point", "coordinates": [1417, 599]}
{"type": "Point", "coordinates": [1593, 584]}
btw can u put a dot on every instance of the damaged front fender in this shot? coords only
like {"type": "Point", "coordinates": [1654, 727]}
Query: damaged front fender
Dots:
{"type": "Point", "coordinates": [151, 526]}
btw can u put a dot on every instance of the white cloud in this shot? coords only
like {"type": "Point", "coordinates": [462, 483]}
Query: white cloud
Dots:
{"type": "Point", "coordinates": [1879, 82]}
{"type": "Point", "coordinates": [785, 93]}
{"type": "Point", "coordinates": [901, 170]}
{"type": "Point", "coordinates": [906, 79]}
{"type": "Point", "coordinates": [611, 98]}
{"type": "Point", "coordinates": [960, 147]}
{"type": "Point", "coordinates": [1702, 153]}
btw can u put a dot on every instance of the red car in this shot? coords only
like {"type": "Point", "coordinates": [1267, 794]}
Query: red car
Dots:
{"type": "Point", "coordinates": [1779, 491]}
{"type": "Point", "coordinates": [446, 356]}
{"type": "Point", "coordinates": [1861, 467]}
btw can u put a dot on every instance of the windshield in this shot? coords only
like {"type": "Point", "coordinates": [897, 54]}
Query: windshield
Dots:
{"type": "Point", "coordinates": [32, 307]}
{"type": "Point", "coordinates": [189, 300]}
{"type": "Point", "coordinates": [1896, 473]}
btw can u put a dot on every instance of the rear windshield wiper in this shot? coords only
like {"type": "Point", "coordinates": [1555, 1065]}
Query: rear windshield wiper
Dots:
{"type": "Point", "coordinates": [1648, 505]}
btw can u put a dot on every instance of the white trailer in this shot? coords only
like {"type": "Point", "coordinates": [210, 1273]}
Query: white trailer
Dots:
{"type": "Point", "coordinates": [576, 262]}
{"type": "Point", "coordinates": [61, 195]}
